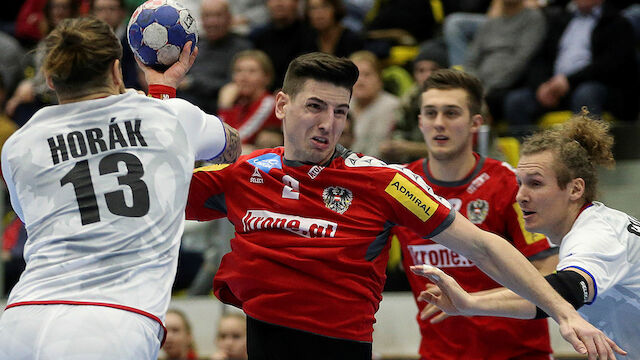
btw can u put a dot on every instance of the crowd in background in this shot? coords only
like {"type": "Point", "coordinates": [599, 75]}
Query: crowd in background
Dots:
{"type": "Point", "coordinates": [534, 57]}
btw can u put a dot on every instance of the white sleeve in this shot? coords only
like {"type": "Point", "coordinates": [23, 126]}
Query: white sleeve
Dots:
{"type": "Point", "coordinates": [596, 250]}
{"type": "Point", "coordinates": [7, 173]}
{"type": "Point", "coordinates": [205, 132]}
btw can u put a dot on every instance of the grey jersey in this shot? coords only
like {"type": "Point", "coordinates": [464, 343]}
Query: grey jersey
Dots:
{"type": "Point", "coordinates": [605, 243]}
{"type": "Point", "coordinates": [101, 186]}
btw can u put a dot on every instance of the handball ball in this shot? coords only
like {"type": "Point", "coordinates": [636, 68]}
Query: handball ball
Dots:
{"type": "Point", "coordinates": [158, 30]}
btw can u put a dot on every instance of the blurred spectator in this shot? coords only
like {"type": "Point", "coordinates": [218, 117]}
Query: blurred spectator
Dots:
{"type": "Point", "coordinates": [248, 14]}
{"type": "Point", "coordinates": [284, 37]}
{"type": "Point", "coordinates": [588, 59]}
{"type": "Point", "coordinates": [179, 344]}
{"type": "Point", "coordinates": [407, 143]}
{"type": "Point", "coordinates": [37, 17]}
{"type": "Point", "coordinates": [231, 337]}
{"type": "Point", "coordinates": [217, 47]}
{"type": "Point", "coordinates": [32, 92]}
{"type": "Point", "coordinates": [113, 12]}
{"type": "Point", "coordinates": [13, 240]}
{"type": "Point", "coordinates": [332, 37]}
{"type": "Point", "coordinates": [245, 103]}
{"type": "Point", "coordinates": [395, 22]}
{"type": "Point", "coordinates": [375, 111]}
{"type": "Point", "coordinates": [10, 62]}
{"type": "Point", "coordinates": [356, 12]}
{"type": "Point", "coordinates": [460, 27]}
{"type": "Point", "coordinates": [503, 48]}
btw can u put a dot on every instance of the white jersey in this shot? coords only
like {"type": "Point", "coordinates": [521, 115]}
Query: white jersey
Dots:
{"type": "Point", "coordinates": [101, 186]}
{"type": "Point", "coordinates": [605, 243]}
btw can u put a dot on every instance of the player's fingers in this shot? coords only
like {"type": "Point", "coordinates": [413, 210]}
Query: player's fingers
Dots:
{"type": "Point", "coordinates": [573, 339]}
{"type": "Point", "coordinates": [604, 350]}
{"type": "Point", "coordinates": [615, 347]}
{"type": "Point", "coordinates": [185, 53]}
{"type": "Point", "coordinates": [428, 311]}
{"type": "Point", "coordinates": [439, 318]}
{"type": "Point", "coordinates": [430, 272]}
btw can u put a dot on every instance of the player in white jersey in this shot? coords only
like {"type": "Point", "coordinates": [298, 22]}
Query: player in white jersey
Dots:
{"type": "Point", "coordinates": [599, 268]}
{"type": "Point", "coordinates": [101, 183]}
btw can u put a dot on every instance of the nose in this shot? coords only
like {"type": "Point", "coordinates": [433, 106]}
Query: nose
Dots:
{"type": "Point", "coordinates": [521, 195]}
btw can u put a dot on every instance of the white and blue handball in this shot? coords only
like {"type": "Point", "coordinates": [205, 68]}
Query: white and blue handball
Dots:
{"type": "Point", "coordinates": [158, 30]}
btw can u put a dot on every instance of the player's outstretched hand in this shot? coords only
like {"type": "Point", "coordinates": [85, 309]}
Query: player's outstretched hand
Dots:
{"type": "Point", "coordinates": [446, 295]}
{"type": "Point", "coordinates": [174, 74]}
{"type": "Point", "coordinates": [588, 340]}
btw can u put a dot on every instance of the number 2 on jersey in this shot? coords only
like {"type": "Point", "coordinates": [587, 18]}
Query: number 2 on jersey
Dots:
{"type": "Point", "coordinates": [291, 188]}
{"type": "Point", "coordinates": [80, 178]}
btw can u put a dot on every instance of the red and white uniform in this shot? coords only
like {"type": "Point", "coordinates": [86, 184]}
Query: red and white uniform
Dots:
{"type": "Point", "coordinates": [252, 118]}
{"type": "Point", "coordinates": [487, 198]}
{"type": "Point", "coordinates": [311, 242]}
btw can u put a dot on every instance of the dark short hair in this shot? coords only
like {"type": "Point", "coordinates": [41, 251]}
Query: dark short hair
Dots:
{"type": "Point", "coordinates": [449, 79]}
{"type": "Point", "coordinates": [320, 67]}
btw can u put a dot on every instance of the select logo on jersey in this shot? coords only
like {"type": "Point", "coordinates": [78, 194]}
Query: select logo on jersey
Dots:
{"type": "Point", "coordinates": [456, 203]}
{"type": "Point", "coordinates": [411, 197]}
{"type": "Point", "coordinates": [255, 220]}
{"type": "Point", "coordinates": [266, 162]}
{"type": "Point", "coordinates": [256, 178]}
{"type": "Point", "coordinates": [437, 255]}
{"type": "Point", "coordinates": [214, 167]}
{"type": "Point", "coordinates": [337, 198]}
{"type": "Point", "coordinates": [477, 211]}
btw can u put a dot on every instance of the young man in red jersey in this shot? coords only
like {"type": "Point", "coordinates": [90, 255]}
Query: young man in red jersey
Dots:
{"type": "Point", "coordinates": [312, 221]}
{"type": "Point", "coordinates": [484, 191]}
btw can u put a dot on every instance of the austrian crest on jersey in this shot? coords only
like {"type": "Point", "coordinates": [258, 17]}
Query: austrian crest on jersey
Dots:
{"type": "Point", "coordinates": [337, 198]}
{"type": "Point", "coordinates": [477, 211]}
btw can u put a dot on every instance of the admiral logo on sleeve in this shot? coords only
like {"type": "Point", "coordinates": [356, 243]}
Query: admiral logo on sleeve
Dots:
{"type": "Point", "coordinates": [411, 197]}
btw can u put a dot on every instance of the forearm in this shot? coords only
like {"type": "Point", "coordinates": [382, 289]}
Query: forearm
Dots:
{"type": "Point", "coordinates": [507, 266]}
{"type": "Point", "coordinates": [501, 302]}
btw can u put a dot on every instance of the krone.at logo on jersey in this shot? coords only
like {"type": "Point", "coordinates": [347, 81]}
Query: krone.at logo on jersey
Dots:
{"type": "Point", "coordinates": [337, 198]}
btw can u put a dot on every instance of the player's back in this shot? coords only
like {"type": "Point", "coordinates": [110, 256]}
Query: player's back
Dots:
{"type": "Point", "coordinates": [101, 186]}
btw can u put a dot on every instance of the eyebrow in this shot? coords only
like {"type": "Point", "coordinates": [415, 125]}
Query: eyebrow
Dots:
{"type": "Point", "coordinates": [325, 103]}
{"type": "Point", "coordinates": [446, 107]}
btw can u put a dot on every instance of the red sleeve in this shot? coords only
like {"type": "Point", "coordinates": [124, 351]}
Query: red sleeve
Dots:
{"type": "Point", "coordinates": [206, 199]}
{"type": "Point", "coordinates": [412, 203]}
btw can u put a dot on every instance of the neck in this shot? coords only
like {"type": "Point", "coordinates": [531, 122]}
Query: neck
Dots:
{"type": "Point", "coordinates": [562, 228]}
{"type": "Point", "coordinates": [93, 95]}
{"type": "Point", "coordinates": [452, 169]}
{"type": "Point", "coordinates": [512, 9]}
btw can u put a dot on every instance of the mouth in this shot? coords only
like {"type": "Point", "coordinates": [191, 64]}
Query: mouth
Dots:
{"type": "Point", "coordinates": [526, 214]}
{"type": "Point", "coordinates": [320, 141]}
{"type": "Point", "coordinates": [440, 139]}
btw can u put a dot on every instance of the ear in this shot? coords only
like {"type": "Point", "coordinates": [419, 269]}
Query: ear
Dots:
{"type": "Point", "coordinates": [116, 74]}
{"type": "Point", "coordinates": [476, 121]}
{"type": "Point", "coordinates": [576, 189]}
{"type": "Point", "coordinates": [49, 82]}
{"type": "Point", "coordinates": [282, 101]}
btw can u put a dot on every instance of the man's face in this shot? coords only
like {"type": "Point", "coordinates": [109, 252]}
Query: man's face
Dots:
{"type": "Point", "coordinates": [585, 6]}
{"type": "Point", "coordinates": [321, 14]}
{"type": "Point", "coordinates": [249, 77]}
{"type": "Point", "coordinates": [544, 204]}
{"type": "Point", "coordinates": [423, 69]}
{"type": "Point", "coordinates": [313, 120]}
{"type": "Point", "coordinates": [109, 11]}
{"type": "Point", "coordinates": [216, 19]}
{"type": "Point", "coordinates": [446, 123]}
{"type": "Point", "coordinates": [283, 10]}
{"type": "Point", "coordinates": [369, 83]}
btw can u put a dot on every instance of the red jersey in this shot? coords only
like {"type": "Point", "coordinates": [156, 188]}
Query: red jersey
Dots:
{"type": "Point", "coordinates": [311, 242]}
{"type": "Point", "coordinates": [487, 198]}
{"type": "Point", "coordinates": [252, 118]}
